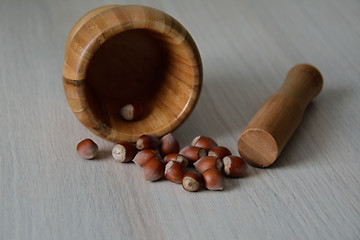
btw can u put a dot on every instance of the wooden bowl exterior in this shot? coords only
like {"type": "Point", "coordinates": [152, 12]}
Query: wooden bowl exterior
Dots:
{"type": "Point", "coordinates": [96, 28]}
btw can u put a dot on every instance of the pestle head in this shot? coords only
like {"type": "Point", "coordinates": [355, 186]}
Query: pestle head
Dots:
{"type": "Point", "coordinates": [258, 147]}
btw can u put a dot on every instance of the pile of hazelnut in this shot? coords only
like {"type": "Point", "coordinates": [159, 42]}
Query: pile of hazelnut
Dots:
{"type": "Point", "coordinates": [163, 157]}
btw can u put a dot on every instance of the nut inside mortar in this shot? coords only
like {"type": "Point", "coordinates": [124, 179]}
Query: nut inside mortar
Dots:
{"type": "Point", "coordinates": [144, 66]}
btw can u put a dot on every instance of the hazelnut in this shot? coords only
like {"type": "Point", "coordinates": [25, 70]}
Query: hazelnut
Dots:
{"type": "Point", "coordinates": [213, 179]}
{"type": "Point", "coordinates": [234, 166]}
{"type": "Point", "coordinates": [153, 169]}
{"type": "Point", "coordinates": [169, 144]}
{"type": "Point", "coordinates": [193, 153]}
{"type": "Point", "coordinates": [124, 152]}
{"type": "Point", "coordinates": [145, 155]}
{"type": "Point", "coordinates": [131, 111]}
{"type": "Point", "coordinates": [177, 158]}
{"type": "Point", "coordinates": [191, 181]}
{"type": "Point", "coordinates": [204, 142]}
{"type": "Point", "coordinates": [207, 162]}
{"type": "Point", "coordinates": [219, 152]}
{"type": "Point", "coordinates": [87, 149]}
{"type": "Point", "coordinates": [174, 172]}
{"type": "Point", "coordinates": [147, 141]}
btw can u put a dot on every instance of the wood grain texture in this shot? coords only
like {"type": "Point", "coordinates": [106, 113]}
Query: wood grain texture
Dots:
{"type": "Point", "coordinates": [118, 54]}
{"type": "Point", "coordinates": [312, 191]}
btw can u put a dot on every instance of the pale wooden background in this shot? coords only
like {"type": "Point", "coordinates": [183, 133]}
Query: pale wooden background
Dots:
{"type": "Point", "coordinates": [247, 47]}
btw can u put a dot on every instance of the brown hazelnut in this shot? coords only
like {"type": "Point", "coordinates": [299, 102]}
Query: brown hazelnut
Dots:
{"type": "Point", "coordinates": [213, 179]}
{"type": "Point", "coordinates": [87, 149]}
{"type": "Point", "coordinates": [174, 172]}
{"type": "Point", "coordinates": [207, 162]}
{"type": "Point", "coordinates": [147, 141]}
{"type": "Point", "coordinates": [131, 111]}
{"type": "Point", "coordinates": [204, 142]}
{"type": "Point", "coordinates": [124, 152]}
{"type": "Point", "coordinates": [169, 144]}
{"type": "Point", "coordinates": [193, 153]}
{"type": "Point", "coordinates": [153, 169]}
{"type": "Point", "coordinates": [191, 181]}
{"type": "Point", "coordinates": [177, 158]}
{"type": "Point", "coordinates": [145, 155]}
{"type": "Point", "coordinates": [234, 166]}
{"type": "Point", "coordinates": [219, 152]}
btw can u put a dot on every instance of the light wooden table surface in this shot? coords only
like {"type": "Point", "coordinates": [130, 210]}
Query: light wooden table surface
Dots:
{"type": "Point", "coordinates": [247, 47]}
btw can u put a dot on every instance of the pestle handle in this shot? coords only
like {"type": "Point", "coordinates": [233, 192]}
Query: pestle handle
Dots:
{"type": "Point", "coordinates": [272, 126]}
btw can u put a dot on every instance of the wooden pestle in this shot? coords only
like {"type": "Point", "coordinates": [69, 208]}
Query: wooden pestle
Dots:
{"type": "Point", "coordinates": [270, 129]}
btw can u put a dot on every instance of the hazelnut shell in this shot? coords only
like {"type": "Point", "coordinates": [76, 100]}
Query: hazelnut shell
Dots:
{"type": "Point", "coordinates": [87, 149]}
{"type": "Point", "coordinates": [213, 179]}
{"type": "Point", "coordinates": [153, 169]}
{"type": "Point", "coordinates": [193, 153]}
{"type": "Point", "coordinates": [174, 172]}
{"type": "Point", "coordinates": [124, 152]}
{"type": "Point", "coordinates": [145, 155]}
{"type": "Point", "coordinates": [234, 166]}
{"type": "Point", "coordinates": [191, 181]}
{"type": "Point", "coordinates": [177, 158]}
{"type": "Point", "coordinates": [169, 144]}
{"type": "Point", "coordinates": [219, 152]}
{"type": "Point", "coordinates": [147, 141]}
{"type": "Point", "coordinates": [208, 162]}
{"type": "Point", "coordinates": [132, 111]}
{"type": "Point", "coordinates": [204, 142]}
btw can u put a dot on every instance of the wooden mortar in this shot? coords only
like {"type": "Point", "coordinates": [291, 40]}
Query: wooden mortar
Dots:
{"type": "Point", "coordinates": [115, 55]}
{"type": "Point", "coordinates": [273, 125]}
